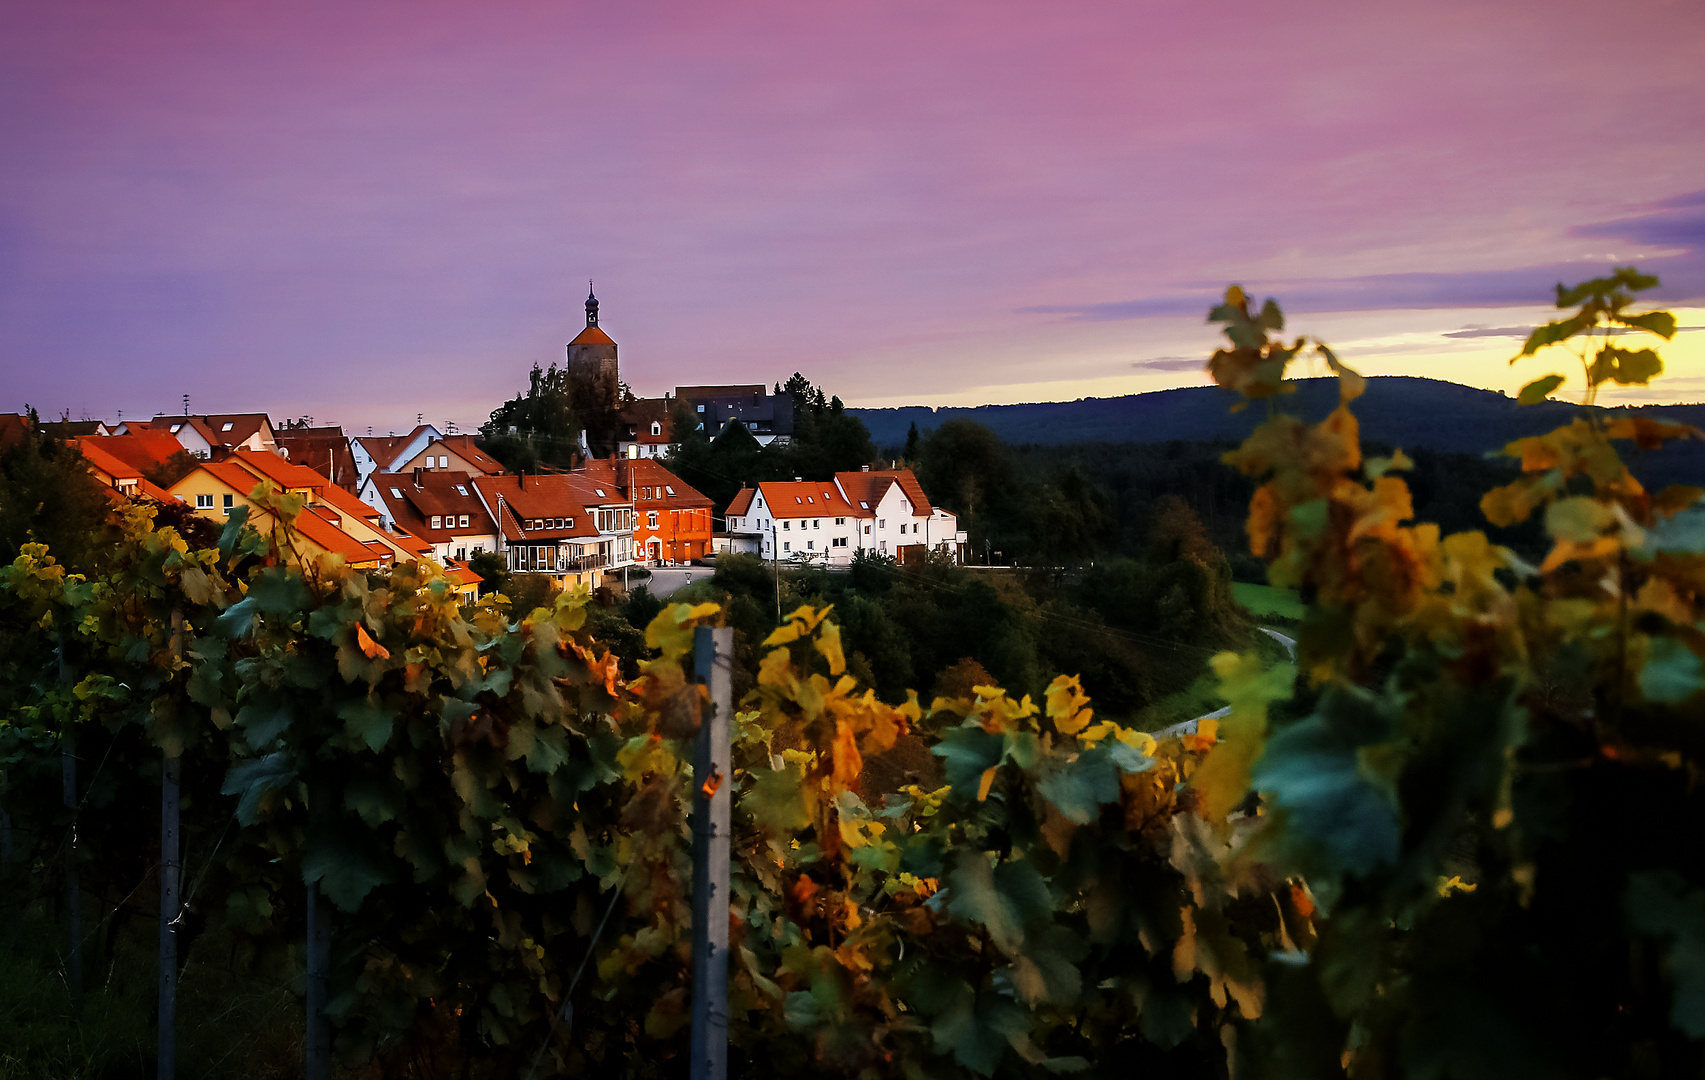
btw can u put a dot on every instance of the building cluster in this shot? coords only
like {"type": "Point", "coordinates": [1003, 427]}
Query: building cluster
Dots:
{"type": "Point", "coordinates": [375, 501]}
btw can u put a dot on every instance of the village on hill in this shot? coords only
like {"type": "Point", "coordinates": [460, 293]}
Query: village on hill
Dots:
{"type": "Point", "coordinates": [376, 501]}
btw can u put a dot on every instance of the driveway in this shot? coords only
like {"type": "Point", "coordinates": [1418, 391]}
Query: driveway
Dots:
{"type": "Point", "coordinates": [665, 580]}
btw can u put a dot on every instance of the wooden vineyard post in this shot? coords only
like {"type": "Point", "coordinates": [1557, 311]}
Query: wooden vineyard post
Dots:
{"type": "Point", "coordinates": [171, 878]}
{"type": "Point", "coordinates": [713, 654]}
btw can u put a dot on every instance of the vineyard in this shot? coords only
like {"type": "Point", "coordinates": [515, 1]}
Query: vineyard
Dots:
{"type": "Point", "coordinates": [1454, 842]}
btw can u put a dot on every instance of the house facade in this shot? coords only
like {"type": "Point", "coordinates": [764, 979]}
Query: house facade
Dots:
{"type": "Point", "coordinates": [381, 453]}
{"type": "Point", "coordinates": [672, 521]}
{"type": "Point", "coordinates": [542, 527]}
{"type": "Point", "coordinates": [883, 511]}
{"type": "Point", "coordinates": [211, 435]}
{"type": "Point", "coordinates": [451, 453]}
{"type": "Point", "coordinates": [442, 509]}
{"type": "Point", "coordinates": [769, 417]}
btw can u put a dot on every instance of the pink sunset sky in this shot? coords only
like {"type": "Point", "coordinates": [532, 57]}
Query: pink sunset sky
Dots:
{"type": "Point", "coordinates": [364, 211]}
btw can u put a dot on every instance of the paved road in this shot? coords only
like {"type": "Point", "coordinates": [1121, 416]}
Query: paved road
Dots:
{"type": "Point", "coordinates": [665, 580]}
{"type": "Point", "coordinates": [1188, 727]}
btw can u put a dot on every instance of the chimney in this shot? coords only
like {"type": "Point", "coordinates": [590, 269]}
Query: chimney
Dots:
{"type": "Point", "coordinates": [621, 474]}
{"type": "Point", "coordinates": [417, 476]}
{"type": "Point", "coordinates": [864, 468]}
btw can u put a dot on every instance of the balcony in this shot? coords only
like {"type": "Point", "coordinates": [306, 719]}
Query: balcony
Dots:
{"type": "Point", "coordinates": [582, 563]}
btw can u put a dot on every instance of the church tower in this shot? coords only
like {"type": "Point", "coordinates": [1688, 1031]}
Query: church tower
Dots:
{"type": "Point", "coordinates": [592, 355]}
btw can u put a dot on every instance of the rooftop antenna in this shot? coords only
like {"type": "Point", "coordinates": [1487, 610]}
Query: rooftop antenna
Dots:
{"type": "Point", "coordinates": [369, 431]}
{"type": "Point", "coordinates": [418, 418]}
{"type": "Point", "coordinates": [186, 404]}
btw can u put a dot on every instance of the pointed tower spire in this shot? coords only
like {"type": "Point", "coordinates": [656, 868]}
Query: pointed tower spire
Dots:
{"type": "Point", "coordinates": [591, 305]}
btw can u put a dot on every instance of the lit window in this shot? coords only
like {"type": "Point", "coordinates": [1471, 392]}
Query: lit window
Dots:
{"type": "Point", "coordinates": [701, 408]}
{"type": "Point", "coordinates": [204, 502]}
{"type": "Point", "coordinates": [538, 523]}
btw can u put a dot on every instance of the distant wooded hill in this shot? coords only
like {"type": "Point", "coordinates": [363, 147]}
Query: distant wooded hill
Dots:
{"type": "Point", "coordinates": [1397, 410]}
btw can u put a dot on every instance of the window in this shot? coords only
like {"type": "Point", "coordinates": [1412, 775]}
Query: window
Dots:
{"type": "Point", "coordinates": [568, 523]}
{"type": "Point", "coordinates": [437, 522]}
{"type": "Point", "coordinates": [538, 523]}
{"type": "Point", "coordinates": [787, 547]}
{"type": "Point", "coordinates": [786, 525]}
{"type": "Point", "coordinates": [460, 490]}
{"type": "Point", "coordinates": [204, 502]}
{"type": "Point", "coordinates": [464, 521]}
{"type": "Point", "coordinates": [461, 554]}
{"type": "Point", "coordinates": [651, 520]}
{"type": "Point", "coordinates": [669, 488]}
{"type": "Point", "coordinates": [816, 523]}
{"type": "Point", "coordinates": [881, 523]}
{"type": "Point", "coordinates": [863, 505]}
{"type": "Point", "coordinates": [176, 428]}
{"type": "Point", "coordinates": [810, 500]}
{"type": "Point", "coordinates": [701, 408]}
{"type": "Point", "coordinates": [395, 494]}
{"type": "Point", "coordinates": [867, 530]}
{"type": "Point", "coordinates": [600, 492]}
{"type": "Point", "coordinates": [840, 541]}
{"type": "Point", "coordinates": [444, 462]}
{"type": "Point", "coordinates": [840, 521]}
{"type": "Point", "coordinates": [228, 426]}
{"type": "Point", "coordinates": [811, 545]}
{"type": "Point", "coordinates": [656, 428]}
{"type": "Point", "coordinates": [479, 549]}
{"type": "Point", "coordinates": [230, 500]}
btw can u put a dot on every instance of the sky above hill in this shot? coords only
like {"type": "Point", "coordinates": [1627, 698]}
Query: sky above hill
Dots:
{"type": "Point", "coordinates": [365, 211]}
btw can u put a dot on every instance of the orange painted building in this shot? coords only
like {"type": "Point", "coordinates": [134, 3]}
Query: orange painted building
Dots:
{"type": "Point", "coordinates": [672, 521]}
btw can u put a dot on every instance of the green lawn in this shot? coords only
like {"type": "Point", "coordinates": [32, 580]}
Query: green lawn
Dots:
{"type": "Point", "coordinates": [1264, 601]}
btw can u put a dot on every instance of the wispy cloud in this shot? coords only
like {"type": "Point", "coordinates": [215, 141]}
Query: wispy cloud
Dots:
{"type": "Point", "coordinates": [1170, 363]}
{"type": "Point", "coordinates": [1672, 223]}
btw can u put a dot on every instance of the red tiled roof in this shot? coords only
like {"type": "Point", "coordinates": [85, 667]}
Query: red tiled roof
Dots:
{"type": "Point", "coordinates": [465, 447]}
{"type": "Point", "coordinates": [285, 474]}
{"type": "Point", "coordinates": [742, 502]}
{"type": "Point", "coordinates": [533, 498]}
{"type": "Point", "coordinates": [806, 498]}
{"type": "Point", "coordinates": [143, 448]}
{"type": "Point", "coordinates": [649, 473]}
{"type": "Point", "coordinates": [437, 495]}
{"type": "Point", "coordinates": [12, 429]}
{"type": "Point", "coordinates": [592, 336]}
{"type": "Point", "coordinates": [99, 458]}
{"type": "Point", "coordinates": [870, 486]}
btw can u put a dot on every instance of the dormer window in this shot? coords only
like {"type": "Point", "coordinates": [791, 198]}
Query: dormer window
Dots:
{"type": "Point", "coordinates": [227, 427]}
{"type": "Point", "coordinates": [437, 522]}
{"type": "Point", "coordinates": [656, 428]}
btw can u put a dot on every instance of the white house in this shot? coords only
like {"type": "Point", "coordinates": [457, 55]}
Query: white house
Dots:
{"type": "Point", "coordinates": [885, 512]}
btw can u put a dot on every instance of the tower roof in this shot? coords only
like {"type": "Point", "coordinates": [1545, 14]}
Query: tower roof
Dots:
{"type": "Point", "coordinates": [592, 336]}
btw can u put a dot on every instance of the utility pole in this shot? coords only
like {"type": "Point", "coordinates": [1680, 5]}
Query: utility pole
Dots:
{"type": "Point", "coordinates": [775, 550]}
{"type": "Point", "coordinates": [713, 769]}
